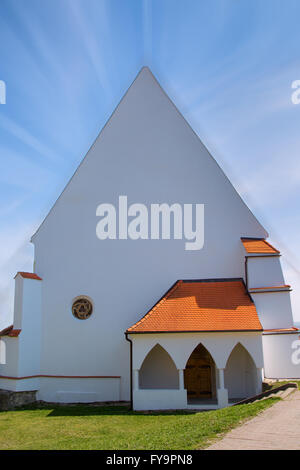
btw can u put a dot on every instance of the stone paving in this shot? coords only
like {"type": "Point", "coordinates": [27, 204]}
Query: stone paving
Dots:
{"type": "Point", "coordinates": [276, 428]}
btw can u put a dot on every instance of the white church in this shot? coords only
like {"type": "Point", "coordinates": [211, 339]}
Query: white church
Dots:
{"type": "Point", "coordinates": [153, 282]}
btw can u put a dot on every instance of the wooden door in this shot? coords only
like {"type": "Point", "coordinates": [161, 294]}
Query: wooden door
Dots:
{"type": "Point", "coordinates": [197, 375]}
{"type": "Point", "coordinates": [198, 381]}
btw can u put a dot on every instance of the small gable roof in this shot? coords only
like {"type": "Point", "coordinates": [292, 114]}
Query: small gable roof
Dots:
{"type": "Point", "coordinates": [29, 275]}
{"type": "Point", "coordinates": [201, 305]}
{"type": "Point", "coordinates": [10, 331]}
{"type": "Point", "coordinates": [292, 329]}
{"type": "Point", "coordinates": [258, 246]}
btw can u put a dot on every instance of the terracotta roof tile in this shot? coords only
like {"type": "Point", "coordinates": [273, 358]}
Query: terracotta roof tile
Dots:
{"type": "Point", "coordinates": [283, 288]}
{"type": "Point", "coordinates": [10, 331]}
{"type": "Point", "coordinates": [14, 333]}
{"type": "Point", "coordinates": [208, 305]}
{"type": "Point", "coordinates": [259, 246]}
{"type": "Point", "coordinates": [29, 275]}
{"type": "Point", "coordinates": [6, 330]}
{"type": "Point", "coordinates": [279, 330]}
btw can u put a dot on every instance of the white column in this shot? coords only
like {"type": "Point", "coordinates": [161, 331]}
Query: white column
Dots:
{"type": "Point", "coordinates": [221, 378]}
{"type": "Point", "coordinates": [181, 379]}
{"type": "Point", "coordinates": [222, 392]}
{"type": "Point", "coordinates": [258, 380]}
{"type": "Point", "coordinates": [135, 379]}
{"type": "Point", "coordinates": [2, 352]}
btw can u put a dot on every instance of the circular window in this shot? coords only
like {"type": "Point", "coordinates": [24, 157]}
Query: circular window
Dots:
{"type": "Point", "coordinates": [82, 308]}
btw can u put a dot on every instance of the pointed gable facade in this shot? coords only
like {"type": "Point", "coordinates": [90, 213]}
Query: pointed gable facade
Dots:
{"type": "Point", "coordinates": [124, 229]}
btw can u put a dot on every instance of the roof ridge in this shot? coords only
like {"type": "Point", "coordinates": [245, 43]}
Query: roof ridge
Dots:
{"type": "Point", "coordinates": [202, 306]}
{"type": "Point", "coordinates": [220, 279]}
{"type": "Point", "coordinates": [28, 275]}
{"type": "Point", "coordinates": [253, 238]}
{"type": "Point", "coordinates": [6, 330]}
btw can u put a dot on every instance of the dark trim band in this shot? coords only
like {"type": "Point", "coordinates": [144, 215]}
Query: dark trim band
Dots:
{"type": "Point", "coordinates": [268, 291]}
{"type": "Point", "coordinates": [192, 331]}
{"type": "Point", "coordinates": [281, 333]}
{"type": "Point", "coordinates": [62, 377]}
{"type": "Point", "coordinates": [271, 255]}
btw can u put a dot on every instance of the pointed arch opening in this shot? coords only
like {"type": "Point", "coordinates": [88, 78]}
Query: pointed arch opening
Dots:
{"type": "Point", "coordinates": [158, 370]}
{"type": "Point", "coordinates": [240, 374]}
{"type": "Point", "coordinates": [200, 376]}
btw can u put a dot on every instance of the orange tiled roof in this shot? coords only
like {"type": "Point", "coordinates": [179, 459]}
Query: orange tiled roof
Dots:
{"type": "Point", "coordinates": [10, 331]}
{"type": "Point", "coordinates": [259, 246]}
{"type": "Point", "coordinates": [283, 287]}
{"type": "Point", "coordinates": [14, 333]}
{"type": "Point", "coordinates": [205, 305]}
{"type": "Point", "coordinates": [283, 330]}
{"type": "Point", "coordinates": [29, 275]}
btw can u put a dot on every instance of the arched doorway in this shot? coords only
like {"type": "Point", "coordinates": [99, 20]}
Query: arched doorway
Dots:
{"type": "Point", "coordinates": [158, 370]}
{"type": "Point", "coordinates": [240, 374]}
{"type": "Point", "coordinates": [200, 375]}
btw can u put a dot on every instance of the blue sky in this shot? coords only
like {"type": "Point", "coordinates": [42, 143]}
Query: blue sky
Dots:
{"type": "Point", "coordinates": [228, 65]}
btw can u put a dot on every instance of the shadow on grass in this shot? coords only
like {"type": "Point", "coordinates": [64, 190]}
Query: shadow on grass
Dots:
{"type": "Point", "coordinates": [266, 387]}
{"type": "Point", "coordinates": [98, 410]}
{"type": "Point", "coordinates": [269, 386]}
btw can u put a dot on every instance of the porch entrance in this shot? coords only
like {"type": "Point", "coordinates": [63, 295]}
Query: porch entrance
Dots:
{"type": "Point", "coordinates": [199, 374]}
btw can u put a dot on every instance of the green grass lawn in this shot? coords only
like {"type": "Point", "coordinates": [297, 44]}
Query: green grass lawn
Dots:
{"type": "Point", "coordinates": [115, 427]}
{"type": "Point", "coordinates": [277, 384]}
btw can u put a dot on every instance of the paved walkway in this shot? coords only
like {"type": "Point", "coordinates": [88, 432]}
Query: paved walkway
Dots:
{"type": "Point", "coordinates": [277, 427]}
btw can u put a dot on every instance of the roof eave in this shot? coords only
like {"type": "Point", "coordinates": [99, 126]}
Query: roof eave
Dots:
{"type": "Point", "coordinates": [193, 331]}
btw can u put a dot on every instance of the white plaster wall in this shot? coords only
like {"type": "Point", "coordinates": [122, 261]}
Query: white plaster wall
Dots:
{"type": "Point", "coordinates": [278, 351]}
{"type": "Point", "coordinates": [159, 399]}
{"type": "Point", "coordinates": [20, 385]}
{"type": "Point", "coordinates": [240, 374]}
{"type": "Point", "coordinates": [10, 368]}
{"type": "Point", "coordinates": [8, 384]}
{"type": "Point", "coordinates": [23, 353]}
{"type": "Point", "coordinates": [18, 302]}
{"type": "Point", "coordinates": [28, 384]}
{"type": "Point", "coordinates": [274, 309]}
{"type": "Point", "coordinates": [30, 336]}
{"type": "Point", "coordinates": [265, 272]}
{"type": "Point", "coordinates": [180, 346]}
{"type": "Point", "coordinates": [149, 153]}
{"type": "Point", "coordinates": [12, 344]}
{"type": "Point", "coordinates": [71, 390]}
{"type": "Point", "coordinates": [158, 370]}
{"type": "Point", "coordinates": [2, 352]}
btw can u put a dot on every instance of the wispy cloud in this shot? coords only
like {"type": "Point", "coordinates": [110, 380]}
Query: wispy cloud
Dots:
{"type": "Point", "coordinates": [24, 136]}
{"type": "Point", "coordinates": [22, 172]}
{"type": "Point", "coordinates": [42, 48]}
{"type": "Point", "coordinates": [228, 64]}
{"type": "Point", "coordinates": [93, 44]}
